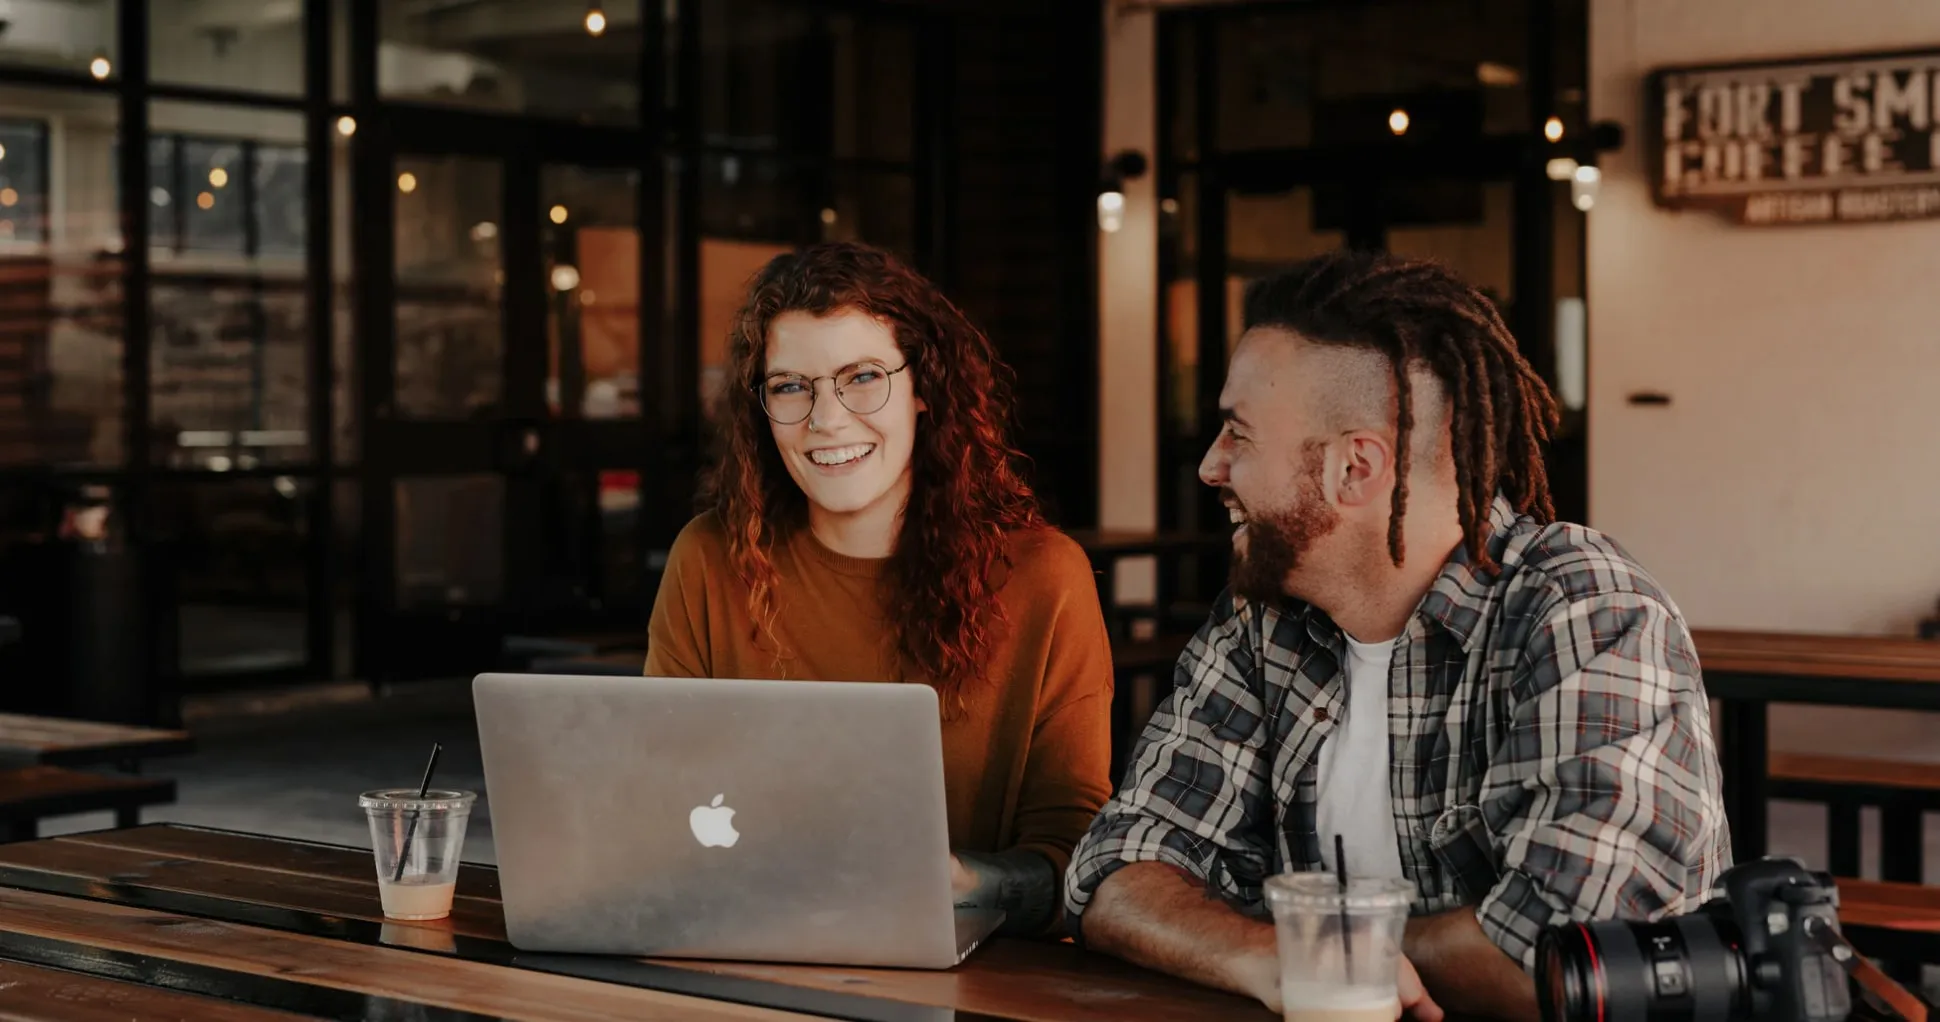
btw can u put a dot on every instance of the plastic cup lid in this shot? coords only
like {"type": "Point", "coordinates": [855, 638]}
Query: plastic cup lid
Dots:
{"type": "Point", "coordinates": [435, 800]}
{"type": "Point", "coordinates": [1322, 891]}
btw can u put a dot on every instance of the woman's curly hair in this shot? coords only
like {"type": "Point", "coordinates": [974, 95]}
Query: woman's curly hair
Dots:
{"type": "Point", "coordinates": [966, 493]}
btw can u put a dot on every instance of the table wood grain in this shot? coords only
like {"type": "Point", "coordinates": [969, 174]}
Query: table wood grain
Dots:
{"type": "Point", "coordinates": [1862, 657]}
{"type": "Point", "coordinates": [57, 741]}
{"type": "Point", "coordinates": [30, 993]}
{"type": "Point", "coordinates": [401, 975]}
{"type": "Point", "coordinates": [1007, 979]}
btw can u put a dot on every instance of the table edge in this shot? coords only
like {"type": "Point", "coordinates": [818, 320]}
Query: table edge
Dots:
{"type": "Point", "coordinates": [668, 979]}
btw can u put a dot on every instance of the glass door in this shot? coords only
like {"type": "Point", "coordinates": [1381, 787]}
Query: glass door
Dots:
{"type": "Point", "coordinates": [506, 449]}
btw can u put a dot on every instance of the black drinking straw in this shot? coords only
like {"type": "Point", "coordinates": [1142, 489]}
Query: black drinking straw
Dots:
{"type": "Point", "coordinates": [1340, 873]}
{"type": "Point", "coordinates": [424, 788]}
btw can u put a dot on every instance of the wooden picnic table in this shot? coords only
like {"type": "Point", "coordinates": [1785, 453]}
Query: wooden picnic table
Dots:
{"type": "Point", "coordinates": [263, 922]}
{"type": "Point", "coordinates": [60, 994]}
{"type": "Point", "coordinates": [1748, 671]}
{"type": "Point", "coordinates": [58, 741]}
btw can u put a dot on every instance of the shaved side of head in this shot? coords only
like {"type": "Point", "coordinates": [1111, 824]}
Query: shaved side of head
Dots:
{"type": "Point", "coordinates": [1354, 389]}
{"type": "Point", "coordinates": [1414, 312]}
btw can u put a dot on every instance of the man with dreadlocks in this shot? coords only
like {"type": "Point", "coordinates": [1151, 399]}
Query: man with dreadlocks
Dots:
{"type": "Point", "coordinates": [1412, 657]}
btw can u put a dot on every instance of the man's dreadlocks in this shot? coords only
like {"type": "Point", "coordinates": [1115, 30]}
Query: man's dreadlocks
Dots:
{"type": "Point", "coordinates": [1417, 313]}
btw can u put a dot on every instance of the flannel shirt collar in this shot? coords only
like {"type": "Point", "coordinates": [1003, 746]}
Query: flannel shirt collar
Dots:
{"type": "Point", "coordinates": [1463, 596]}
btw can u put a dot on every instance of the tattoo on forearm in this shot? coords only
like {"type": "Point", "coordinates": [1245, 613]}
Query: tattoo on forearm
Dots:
{"type": "Point", "coordinates": [1021, 882]}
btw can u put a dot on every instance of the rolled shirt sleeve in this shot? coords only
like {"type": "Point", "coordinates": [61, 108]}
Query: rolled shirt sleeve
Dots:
{"type": "Point", "coordinates": [1609, 805]}
{"type": "Point", "coordinates": [1197, 794]}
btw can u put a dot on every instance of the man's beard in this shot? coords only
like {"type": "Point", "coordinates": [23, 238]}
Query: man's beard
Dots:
{"type": "Point", "coordinates": [1277, 541]}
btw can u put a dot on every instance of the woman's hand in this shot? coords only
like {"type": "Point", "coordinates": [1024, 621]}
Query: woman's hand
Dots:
{"type": "Point", "coordinates": [1020, 883]}
{"type": "Point", "coordinates": [963, 883]}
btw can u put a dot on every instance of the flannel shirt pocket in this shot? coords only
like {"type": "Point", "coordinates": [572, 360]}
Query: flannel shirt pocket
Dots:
{"type": "Point", "coordinates": [1465, 848]}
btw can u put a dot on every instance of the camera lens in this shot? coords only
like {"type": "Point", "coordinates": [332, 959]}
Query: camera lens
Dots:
{"type": "Point", "coordinates": [1687, 967]}
{"type": "Point", "coordinates": [1569, 983]}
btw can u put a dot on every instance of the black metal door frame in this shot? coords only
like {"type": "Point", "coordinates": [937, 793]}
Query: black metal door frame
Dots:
{"type": "Point", "coordinates": [520, 441]}
{"type": "Point", "coordinates": [1519, 159]}
{"type": "Point", "coordinates": [666, 149]}
{"type": "Point", "coordinates": [1363, 173]}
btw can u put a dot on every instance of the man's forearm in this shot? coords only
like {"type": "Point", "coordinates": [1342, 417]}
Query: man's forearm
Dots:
{"type": "Point", "coordinates": [1159, 916]}
{"type": "Point", "coordinates": [1464, 971]}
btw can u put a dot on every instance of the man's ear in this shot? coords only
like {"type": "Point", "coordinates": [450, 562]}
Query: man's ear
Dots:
{"type": "Point", "coordinates": [1366, 474]}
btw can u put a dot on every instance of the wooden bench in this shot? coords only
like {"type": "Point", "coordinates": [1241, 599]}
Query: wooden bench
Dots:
{"type": "Point", "coordinates": [621, 663]}
{"type": "Point", "coordinates": [31, 794]}
{"type": "Point", "coordinates": [521, 652]}
{"type": "Point", "coordinates": [1902, 792]}
{"type": "Point", "coordinates": [60, 741]}
{"type": "Point", "coordinates": [1896, 923]}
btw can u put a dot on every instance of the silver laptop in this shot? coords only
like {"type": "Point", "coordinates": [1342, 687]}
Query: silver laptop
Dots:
{"type": "Point", "coordinates": [775, 821]}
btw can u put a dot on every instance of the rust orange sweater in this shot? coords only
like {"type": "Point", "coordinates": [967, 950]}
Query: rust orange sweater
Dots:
{"type": "Point", "coordinates": [1027, 765]}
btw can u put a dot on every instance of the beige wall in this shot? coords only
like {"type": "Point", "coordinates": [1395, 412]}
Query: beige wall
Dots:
{"type": "Point", "coordinates": [1793, 482]}
{"type": "Point", "coordinates": [1128, 312]}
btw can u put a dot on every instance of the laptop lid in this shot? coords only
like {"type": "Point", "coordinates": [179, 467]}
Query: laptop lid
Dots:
{"type": "Point", "coordinates": [756, 820]}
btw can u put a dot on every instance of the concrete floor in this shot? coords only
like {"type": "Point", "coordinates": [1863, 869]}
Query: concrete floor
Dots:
{"type": "Point", "coordinates": [293, 764]}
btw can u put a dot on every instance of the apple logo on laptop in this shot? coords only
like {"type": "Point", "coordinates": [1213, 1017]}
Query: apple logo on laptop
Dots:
{"type": "Point", "coordinates": [713, 824]}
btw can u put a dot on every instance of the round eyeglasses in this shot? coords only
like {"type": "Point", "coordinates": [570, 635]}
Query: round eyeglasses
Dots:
{"type": "Point", "coordinates": [863, 388]}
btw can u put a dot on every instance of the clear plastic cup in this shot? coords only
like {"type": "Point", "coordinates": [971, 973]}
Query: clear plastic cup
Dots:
{"type": "Point", "coordinates": [426, 835]}
{"type": "Point", "coordinates": [1339, 950]}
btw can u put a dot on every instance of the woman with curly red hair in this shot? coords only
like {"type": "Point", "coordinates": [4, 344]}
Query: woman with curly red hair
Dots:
{"type": "Point", "coordinates": [866, 522]}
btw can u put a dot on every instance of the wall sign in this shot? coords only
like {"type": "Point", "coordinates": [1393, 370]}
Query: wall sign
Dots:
{"type": "Point", "coordinates": [1820, 140]}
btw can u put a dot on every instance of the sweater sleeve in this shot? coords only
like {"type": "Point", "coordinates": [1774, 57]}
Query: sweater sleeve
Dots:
{"type": "Point", "coordinates": [1067, 772]}
{"type": "Point", "coordinates": [677, 645]}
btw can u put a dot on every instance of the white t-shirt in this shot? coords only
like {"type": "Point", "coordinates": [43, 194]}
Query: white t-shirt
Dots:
{"type": "Point", "coordinates": [1354, 772]}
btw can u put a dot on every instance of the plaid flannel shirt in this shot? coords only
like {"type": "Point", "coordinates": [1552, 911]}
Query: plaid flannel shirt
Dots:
{"type": "Point", "coordinates": [1549, 739]}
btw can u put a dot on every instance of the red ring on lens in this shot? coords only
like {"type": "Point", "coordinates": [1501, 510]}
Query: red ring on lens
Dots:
{"type": "Point", "coordinates": [1596, 967]}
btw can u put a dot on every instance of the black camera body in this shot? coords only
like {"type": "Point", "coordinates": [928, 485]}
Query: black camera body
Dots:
{"type": "Point", "coordinates": [1764, 947]}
